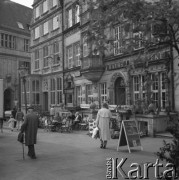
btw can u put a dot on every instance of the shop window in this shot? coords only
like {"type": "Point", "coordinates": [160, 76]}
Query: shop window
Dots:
{"type": "Point", "coordinates": [52, 91]}
{"type": "Point", "coordinates": [79, 95]}
{"type": "Point", "coordinates": [89, 94]}
{"type": "Point", "coordinates": [103, 93]}
{"type": "Point", "coordinates": [59, 90]}
{"type": "Point", "coordinates": [35, 92]}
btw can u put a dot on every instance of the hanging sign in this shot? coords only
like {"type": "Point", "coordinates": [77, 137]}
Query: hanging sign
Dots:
{"type": "Point", "coordinates": [129, 135]}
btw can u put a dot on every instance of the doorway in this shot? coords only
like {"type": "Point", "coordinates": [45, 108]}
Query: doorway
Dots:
{"type": "Point", "coordinates": [45, 101]}
{"type": "Point", "coordinates": [8, 99]}
{"type": "Point", "coordinates": [120, 91]}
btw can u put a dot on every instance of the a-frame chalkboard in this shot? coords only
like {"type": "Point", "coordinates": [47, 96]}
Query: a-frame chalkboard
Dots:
{"type": "Point", "coordinates": [129, 135]}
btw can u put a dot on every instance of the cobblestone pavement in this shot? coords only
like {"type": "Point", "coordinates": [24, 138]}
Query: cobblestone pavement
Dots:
{"type": "Point", "coordinates": [68, 156]}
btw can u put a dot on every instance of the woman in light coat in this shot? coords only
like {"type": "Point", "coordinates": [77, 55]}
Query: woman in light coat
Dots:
{"type": "Point", "coordinates": [103, 123]}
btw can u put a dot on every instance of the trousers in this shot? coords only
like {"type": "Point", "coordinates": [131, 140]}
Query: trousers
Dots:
{"type": "Point", "coordinates": [31, 151]}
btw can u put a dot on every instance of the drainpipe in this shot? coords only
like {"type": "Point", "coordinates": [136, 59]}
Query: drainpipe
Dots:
{"type": "Point", "coordinates": [63, 61]}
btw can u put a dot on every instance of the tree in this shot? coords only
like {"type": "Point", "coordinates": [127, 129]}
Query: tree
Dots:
{"type": "Point", "coordinates": [153, 23]}
{"type": "Point", "coordinates": [148, 16]}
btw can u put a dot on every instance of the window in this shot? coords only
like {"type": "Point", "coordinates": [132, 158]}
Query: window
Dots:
{"type": "Point", "coordinates": [56, 53]}
{"type": "Point", "coordinates": [69, 21]}
{"type": "Point", "coordinates": [8, 41]}
{"type": "Point", "coordinates": [155, 89]}
{"type": "Point", "coordinates": [35, 92]}
{"type": "Point", "coordinates": [36, 59]}
{"type": "Point", "coordinates": [59, 90]}
{"type": "Point", "coordinates": [45, 28]}
{"type": "Point", "coordinates": [163, 91]}
{"type": "Point", "coordinates": [89, 94]}
{"type": "Point", "coordinates": [55, 22]}
{"type": "Point", "coordinates": [37, 32]}
{"type": "Point", "coordinates": [77, 13]}
{"type": "Point", "coordinates": [138, 40]}
{"type": "Point", "coordinates": [45, 56]}
{"type": "Point", "coordinates": [85, 47]}
{"type": "Point", "coordinates": [77, 55]}
{"type": "Point", "coordinates": [28, 91]}
{"type": "Point", "coordinates": [37, 11]}
{"type": "Point", "coordinates": [52, 90]}
{"type": "Point", "coordinates": [136, 88]}
{"type": "Point", "coordinates": [26, 45]}
{"type": "Point", "coordinates": [54, 3]}
{"type": "Point", "coordinates": [45, 6]}
{"type": "Point", "coordinates": [20, 25]}
{"type": "Point", "coordinates": [27, 85]}
{"type": "Point", "coordinates": [79, 95]}
{"type": "Point", "coordinates": [118, 46]}
{"type": "Point", "coordinates": [70, 57]}
{"type": "Point", "coordinates": [103, 93]}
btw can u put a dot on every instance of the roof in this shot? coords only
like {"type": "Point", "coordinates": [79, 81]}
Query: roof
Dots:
{"type": "Point", "coordinates": [15, 16]}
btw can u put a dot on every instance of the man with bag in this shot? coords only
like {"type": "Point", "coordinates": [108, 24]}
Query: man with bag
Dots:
{"type": "Point", "coordinates": [30, 126]}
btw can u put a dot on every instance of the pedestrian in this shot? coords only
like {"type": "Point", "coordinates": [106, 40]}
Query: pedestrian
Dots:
{"type": "Point", "coordinates": [103, 123]}
{"type": "Point", "coordinates": [52, 112]}
{"type": "Point", "coordinates": [1, 124]}
{"type": "Point", "coordinates": [13, 113]}
{"type": "Point", "coordinates": [11, 123]}
{"type": "Point", "coordinates": [19, 118]}
{"type": "Point", "coordinates": [30, 126]}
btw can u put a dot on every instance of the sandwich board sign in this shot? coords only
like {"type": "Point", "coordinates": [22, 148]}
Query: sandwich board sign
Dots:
{"type": "Point", "coordinates": [129, 135]}
{"type": "Point", "coordinates": [1, 99]}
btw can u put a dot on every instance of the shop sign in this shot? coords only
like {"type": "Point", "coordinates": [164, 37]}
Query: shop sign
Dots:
{"type": "Point", "coordinates": [117, 65]}
{"type": "Point", "coordinates": [85, 106]}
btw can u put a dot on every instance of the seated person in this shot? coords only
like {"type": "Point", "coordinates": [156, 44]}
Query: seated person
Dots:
{"type": "Point", "coordinates": [77, 120]}
{"type": "Point", "coordinates": [57, 118]}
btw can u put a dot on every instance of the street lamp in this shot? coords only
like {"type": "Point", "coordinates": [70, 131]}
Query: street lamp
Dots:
{"type": "Point", "coordinates": [23, 72]}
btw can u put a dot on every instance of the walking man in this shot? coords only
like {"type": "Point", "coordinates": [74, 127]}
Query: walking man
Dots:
{"type": "Point", "coordinates": [30, 126]}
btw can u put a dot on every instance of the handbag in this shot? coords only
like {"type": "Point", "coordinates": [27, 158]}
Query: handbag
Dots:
{"type": "Point", "coordinates": [20, 137]}
{"type": "Point", "coordinates": [95, 134]}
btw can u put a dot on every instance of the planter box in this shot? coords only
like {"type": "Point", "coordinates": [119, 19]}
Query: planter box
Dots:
{"type": "Point", "coordinates": [155, 123]}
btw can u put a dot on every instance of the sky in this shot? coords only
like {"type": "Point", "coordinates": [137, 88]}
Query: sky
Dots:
{"type": "Point", "coordinates": [27, 3]}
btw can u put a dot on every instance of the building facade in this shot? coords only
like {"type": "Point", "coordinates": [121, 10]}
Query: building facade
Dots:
{"type": "Point", "coordinates": [15, 22]}
{"type": "Point", "coordinates": [67, 72]}
{"type": "Point", "coordinates": [46, 79]}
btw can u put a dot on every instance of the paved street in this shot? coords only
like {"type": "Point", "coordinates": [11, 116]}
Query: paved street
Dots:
{"type": "Point", "coordinates": [67, 156]}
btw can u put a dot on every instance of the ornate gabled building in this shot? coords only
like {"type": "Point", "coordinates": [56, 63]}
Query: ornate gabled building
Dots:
{"type": "Point", "coordinates": [15, 22]}
{"type": "Point", "coordinates": [124, 78]}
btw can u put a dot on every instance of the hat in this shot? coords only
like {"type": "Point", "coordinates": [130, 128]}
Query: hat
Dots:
{"type": "Point", "coordinates": [30, 107]}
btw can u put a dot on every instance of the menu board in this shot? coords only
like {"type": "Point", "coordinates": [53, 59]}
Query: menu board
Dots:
{"type": "Point", "coordinates": [129, 135]}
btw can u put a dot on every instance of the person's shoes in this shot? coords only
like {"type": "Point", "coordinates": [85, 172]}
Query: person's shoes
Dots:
{"type": "Point", "coordinates": [104, 147]}
{"type": "Point", "coordinates": [101, 146]}
{"type": "Point", "coordinates": [33, 157]}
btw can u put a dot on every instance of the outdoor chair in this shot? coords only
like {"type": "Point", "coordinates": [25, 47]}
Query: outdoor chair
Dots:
{"type": "Point", "coordinates": [66, 126]}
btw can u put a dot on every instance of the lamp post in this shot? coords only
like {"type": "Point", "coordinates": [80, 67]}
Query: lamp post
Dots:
{"type": "Point", "coordinates": [23, 72]}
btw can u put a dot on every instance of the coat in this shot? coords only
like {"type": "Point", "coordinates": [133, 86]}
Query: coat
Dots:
{"type": "Point", "coordinates": [30, 126]}
{"type": "Point", "coordinates": [103, 120]}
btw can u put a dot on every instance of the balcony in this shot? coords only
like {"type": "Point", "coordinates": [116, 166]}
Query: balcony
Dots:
{"type": "Point", "coordinates": [92, 68]}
